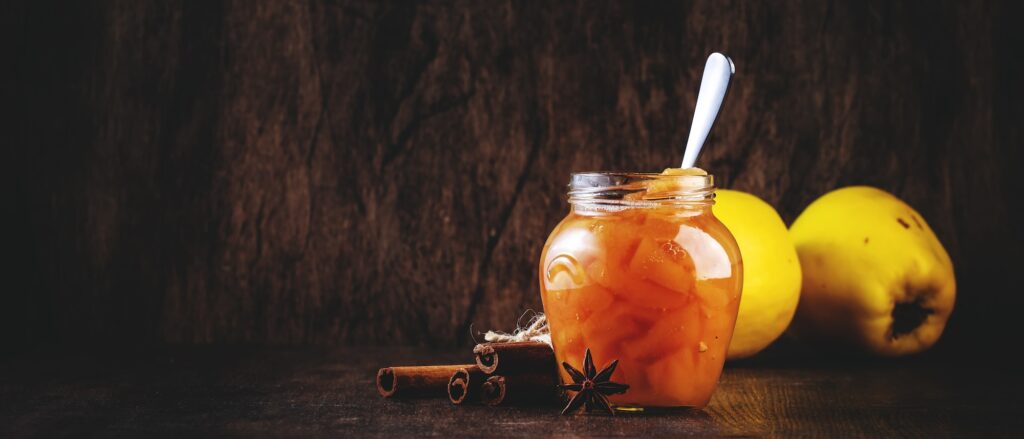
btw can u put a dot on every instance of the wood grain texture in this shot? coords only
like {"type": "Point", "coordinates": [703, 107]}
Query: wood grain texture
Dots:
{"type": "Point", "coordinates": [378, 173]}
{"type": "Point", "coordinates": [220, 391]}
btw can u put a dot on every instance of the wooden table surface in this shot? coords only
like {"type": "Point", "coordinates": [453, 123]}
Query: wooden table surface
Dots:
{"type": "Point", "coordinates": [317, 391]}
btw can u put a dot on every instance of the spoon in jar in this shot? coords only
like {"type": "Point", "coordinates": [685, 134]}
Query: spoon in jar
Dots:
{"type": "Point", "coordinates": [717, 72]}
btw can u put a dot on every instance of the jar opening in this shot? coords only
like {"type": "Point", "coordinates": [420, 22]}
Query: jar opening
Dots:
{"type": "Point", "coordinates": [640, 190]}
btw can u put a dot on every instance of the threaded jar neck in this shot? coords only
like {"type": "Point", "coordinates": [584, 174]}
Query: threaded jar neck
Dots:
{"type": "Point", "coordinates": [630, 190]}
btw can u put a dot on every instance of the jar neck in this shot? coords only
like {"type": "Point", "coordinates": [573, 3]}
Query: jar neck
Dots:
{"type": "Point", "coordinates": [596, 209]}
{"type": "Point", "coordinates": [616, 191]}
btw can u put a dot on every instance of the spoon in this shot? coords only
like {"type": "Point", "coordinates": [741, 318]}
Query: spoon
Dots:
{"type": "Point", "coordinates": [717, 72]}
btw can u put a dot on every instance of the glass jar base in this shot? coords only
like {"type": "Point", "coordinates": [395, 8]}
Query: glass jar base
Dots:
{"type": "Point", "coordinates": [644, 410]}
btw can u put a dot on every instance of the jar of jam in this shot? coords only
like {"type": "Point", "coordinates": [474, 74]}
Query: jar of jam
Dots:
{"type": "Point", "coordinates": [642, 272]}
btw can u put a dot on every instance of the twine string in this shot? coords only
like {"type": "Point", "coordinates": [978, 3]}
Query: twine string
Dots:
{"type": "Point", "coordinates": [536, 330]}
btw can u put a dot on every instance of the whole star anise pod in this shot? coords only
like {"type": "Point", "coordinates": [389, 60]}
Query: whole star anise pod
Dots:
{"type": "Point", "coordinates": [592, 387]}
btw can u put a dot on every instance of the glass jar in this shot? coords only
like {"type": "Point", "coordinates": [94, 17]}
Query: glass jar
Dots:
{"type": "Point", "coordinates": [641, 271]}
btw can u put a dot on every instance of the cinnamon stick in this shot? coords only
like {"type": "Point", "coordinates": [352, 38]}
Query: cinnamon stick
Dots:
{"type": "Point", "coordinates": [519, 389]}
{"type": "Point", "coordinates": [515, 358]}
{"type": "Point", "coordinates": [464, 385]}
{"type": "Point", "coordinates": [415, 381]}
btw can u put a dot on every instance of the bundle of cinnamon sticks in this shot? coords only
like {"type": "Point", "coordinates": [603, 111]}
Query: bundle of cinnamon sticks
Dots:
{"type": "Point", "coordinates": [504, 374]}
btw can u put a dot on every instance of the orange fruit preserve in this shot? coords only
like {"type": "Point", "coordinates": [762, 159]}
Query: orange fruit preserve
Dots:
{"type": "Point", "coordinates": [650, 278]}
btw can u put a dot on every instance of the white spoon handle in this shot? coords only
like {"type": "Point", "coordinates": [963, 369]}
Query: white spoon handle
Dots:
{"type": "Point", "coordinates": [717, 72]}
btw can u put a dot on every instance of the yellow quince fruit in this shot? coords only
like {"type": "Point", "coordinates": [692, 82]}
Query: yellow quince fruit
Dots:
{"type": "Point", "coordinates": [771, 271]}
{"type": "Point", "coordinates": [875, 276]}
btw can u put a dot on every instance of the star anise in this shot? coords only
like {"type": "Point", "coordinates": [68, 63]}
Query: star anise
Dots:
{"type": "Point", "coordinates": [592, 387]}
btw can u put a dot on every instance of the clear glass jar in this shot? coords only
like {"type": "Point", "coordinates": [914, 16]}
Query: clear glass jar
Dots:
{"type": "Point", "coordinates": [641, 271]}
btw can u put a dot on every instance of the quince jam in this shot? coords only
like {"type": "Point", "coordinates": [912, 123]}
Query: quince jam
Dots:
{"type": "Point", "coordinates": [652, 281]}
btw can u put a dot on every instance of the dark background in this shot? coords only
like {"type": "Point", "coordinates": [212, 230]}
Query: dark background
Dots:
{"type": "Point", "coordinates": [338, 172]}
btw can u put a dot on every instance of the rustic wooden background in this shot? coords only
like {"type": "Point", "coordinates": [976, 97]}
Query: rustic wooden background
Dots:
{"type": "Point", "coordinates": [374, 173]}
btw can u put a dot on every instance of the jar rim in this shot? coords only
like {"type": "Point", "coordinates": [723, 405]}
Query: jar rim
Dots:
{"type": "Point", "coordinates": [640, 189]}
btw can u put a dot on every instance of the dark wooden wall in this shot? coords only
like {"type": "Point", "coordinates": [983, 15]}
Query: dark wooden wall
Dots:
{"type": "Point", "coordinates": [377, 173]}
